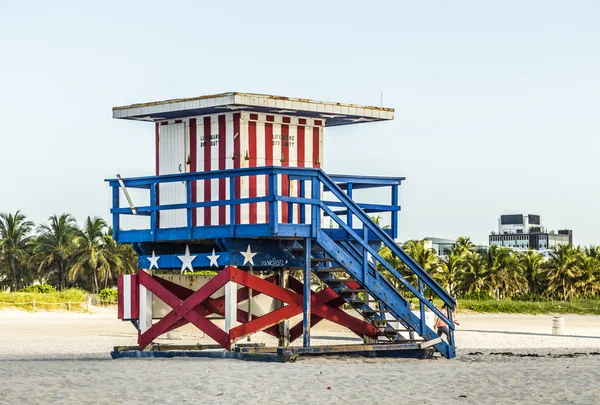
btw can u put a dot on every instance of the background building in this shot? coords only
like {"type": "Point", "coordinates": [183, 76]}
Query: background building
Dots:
{"type": "Point", "coordinates": [520, 231]}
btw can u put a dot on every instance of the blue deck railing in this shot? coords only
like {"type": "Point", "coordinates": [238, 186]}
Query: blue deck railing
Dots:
{"type": "Point", "coordinates": [271, 227]}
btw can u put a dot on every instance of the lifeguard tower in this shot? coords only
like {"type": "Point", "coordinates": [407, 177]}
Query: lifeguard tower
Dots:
{"type": "Point", "coordinates": [239, 189]}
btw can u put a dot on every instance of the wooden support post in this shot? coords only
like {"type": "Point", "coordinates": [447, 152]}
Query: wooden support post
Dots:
{"type": "Point", "coordinates": [306, 294]}
{"type": "Point", "coordinates": [450, 331]}
{"type": "Point", "coordinates": [145, 306]}
{"type": "Point", "coordinates": [366, 339]}
{"type": "Point", "coordinates": [230, 306]}
{"type": "Point", "coordinates": [250, 303]}
{"type": "Point", "coordinates": [349, 215]}
{"type": "Point", "coordinates": [284, 326]}
{"type": "Point", "coordinates": [422, 307]}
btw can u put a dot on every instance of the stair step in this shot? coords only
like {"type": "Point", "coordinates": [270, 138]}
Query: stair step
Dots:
{"type": "Point", "coordinates": [322, 259]}
{"type": "Point", "coordinates": [315, 249]}
{"type": "Point", "coordinates": [376, 311]}
{"type": "Point", "coordinates": [394, 331]}
{"type": "Point", "coordinates": [331, 270]}
{"type": "Point", "coordinates": [341, 280]}
{"type": "Point", "coordinates": [359, 290]}
{"type": "Point", "coordinates": [362, 301]}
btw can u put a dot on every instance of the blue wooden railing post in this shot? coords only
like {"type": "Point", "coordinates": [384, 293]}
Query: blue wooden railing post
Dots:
{"type": "Point", "coordinates": [188, 200]}
{"type": "Point", "coordinates": [349, 215]}
{"type": "Point", "coordinates": [365, 253]}
{"type": "Point", "coordinates": [422, 307]}
{"type": "Point", "coordinates": [290, 205]}
{"type": "Point", "coordinates": [395, 211]}
{"type": "Point", "coordinates": [315, 217]}
{"type": "Point", "coordinates": [302, 206]}
{"type": "Point", "coordinates": [154, 212]}
{"type": "Point", "coordinates": [273, 204]}
{"type": "Point", "coordinates": [306, 294]}
{"type": "Point", "coordinates": [116, 217]}
{"type": "Point", "coordinates": [232, 207]}
{"type": "Point", "coordinates": [450, 330]}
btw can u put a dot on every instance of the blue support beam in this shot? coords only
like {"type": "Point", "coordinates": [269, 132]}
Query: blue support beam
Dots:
{"type": "Point", "coordinates": [306, 294]}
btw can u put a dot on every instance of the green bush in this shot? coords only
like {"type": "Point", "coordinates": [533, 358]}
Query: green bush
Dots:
{"type": "Point", "coordinates": [108, 295]}
{"type": "Point", "coordinates": [39, 289]}
{"type": "Point", "coordinates": [49, 301]}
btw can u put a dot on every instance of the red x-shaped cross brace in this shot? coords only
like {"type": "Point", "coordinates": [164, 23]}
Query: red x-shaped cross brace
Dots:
{"type": "Point", "coordinates": [193, 307]}
{"type": "Point", "coordinates": [215, 305]}
{"type": "Point", "coordinates": [294, 303]}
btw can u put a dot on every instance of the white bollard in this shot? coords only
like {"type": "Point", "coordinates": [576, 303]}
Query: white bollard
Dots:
{"type": "Point", "coordinates": [558, 322]}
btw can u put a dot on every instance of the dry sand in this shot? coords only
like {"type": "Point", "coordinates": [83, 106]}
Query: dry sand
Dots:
{"type": "Point", "coordinates": [59, 357]}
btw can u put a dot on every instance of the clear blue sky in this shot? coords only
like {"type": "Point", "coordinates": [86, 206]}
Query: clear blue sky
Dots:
{"type": "Point", "coordinates": [497, 103]}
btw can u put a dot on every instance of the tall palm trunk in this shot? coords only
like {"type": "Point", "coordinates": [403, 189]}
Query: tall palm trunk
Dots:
{"type": "Point", "coordinates": [15, 281]}
{"type": "Point", "coordinates": [61, 269]}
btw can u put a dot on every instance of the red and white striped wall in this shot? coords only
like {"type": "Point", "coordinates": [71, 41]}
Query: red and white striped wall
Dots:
{"type": "Point", "coordinates": [234, 140]}
{"type": "Point", "coordinates": [128, 297]}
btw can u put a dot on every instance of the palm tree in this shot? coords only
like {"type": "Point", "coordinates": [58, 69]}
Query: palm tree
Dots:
{"type": "Point", "coordinates": [15, 235]}
{"type": "Point", "coordinates": [92, 254]}
{"type": "Point", "coordinates": [425, 257]}
{"type": "Point", "coordinates": [587, 282]}
{"type": "Point", "coordinates": [463, 246]}
{"type": "Point", "coordinates": [564, 267]}
{"type": "Point", "coordinates": [377, 219]}
{"type": "Point", "coordinates": [449, 271]}
{"type": "Point", "coordinates": [532, 264]}
{"type": "Point", "coordinates": [475, 278]}
{"type": "Point", "coordinates": [123, 259]}
{"type": "Point", "coordinates": [54, 246]}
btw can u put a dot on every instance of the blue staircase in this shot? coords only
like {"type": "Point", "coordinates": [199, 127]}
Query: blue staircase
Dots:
{"type": "Point", "coordinates": [342, 257]}
{"type": "Point", "coordinates": [355, 258]}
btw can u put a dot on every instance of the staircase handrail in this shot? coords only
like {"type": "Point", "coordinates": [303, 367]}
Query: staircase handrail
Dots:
{"type": "Point", "coordinates": [388, 241]}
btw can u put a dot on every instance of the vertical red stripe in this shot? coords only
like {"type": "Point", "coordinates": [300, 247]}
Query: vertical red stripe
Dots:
{"type": "Point", "coordinates": [316, 144]}
{"type": "Point", "coordinates": [135, 297]}
{"type": "Point", "coordinates": [252, 163]}
{"type": "Point", "coordinates": [222, 157]}
{"type": "Point", "coordinates": [285, 161]}
{"type": "Point", "coordinates": [268, 154]}
{"type": "Point", "coordinates": [193, 166]}
{"type": "Point", "coordinates": [120, 296]}
{"type": "Point", "coordinates": [300, 158]}
{"type": "Point", "coordinates": [157, 157]}
{"type": "Point", "coordinates": [207, 163]}
{"type": "Point", "coordinates": [237, 154]}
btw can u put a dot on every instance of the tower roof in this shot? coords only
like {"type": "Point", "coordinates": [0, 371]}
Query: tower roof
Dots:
{"type": "Point", "coordinates": [333, 113]}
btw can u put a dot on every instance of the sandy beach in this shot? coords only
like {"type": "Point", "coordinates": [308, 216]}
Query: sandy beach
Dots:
{"type": "Point", "coordinates": [62, 357]}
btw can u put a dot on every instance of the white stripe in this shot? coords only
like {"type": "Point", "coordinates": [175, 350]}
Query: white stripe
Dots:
{"type": "Point", "coordinates": [244, 209]}
{"type": "Point", "coordinates": [214, 165]}
{"type": "Point", "coordinates": [308, 162]}
{"type": "Point", "coordinates": [293, 154]}
{"type": "Point", "coordinates": [261, 181]}
{"type": "Point", "coordinates": [127, 297]}
{"type": "Point", "coordinates": [228, 160]}
{"type": "Point", "coordinates": [200, 168]}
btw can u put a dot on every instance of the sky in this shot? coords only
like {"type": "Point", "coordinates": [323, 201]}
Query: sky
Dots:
{"type": "Point", "coordinates": [497, 103]}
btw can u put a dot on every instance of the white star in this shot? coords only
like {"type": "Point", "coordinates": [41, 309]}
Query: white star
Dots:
{"type": "Point", "coordinates": [213, 259]}
{"type": "Point", "coordinates": [153, 261]}
{"type": "Point", "coordinates": [186, 260]}
{"type": "Point", "coordinates": [248, 255]}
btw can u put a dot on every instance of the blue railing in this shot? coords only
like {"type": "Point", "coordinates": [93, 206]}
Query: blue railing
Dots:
{"type": "Point", "coordinates": [273, 197]}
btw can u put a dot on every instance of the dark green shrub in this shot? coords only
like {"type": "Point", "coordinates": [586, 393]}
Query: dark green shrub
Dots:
{"type": "Point", "coordinates": [108, 295]}
{"type": "Point", "coordinates": [40, 289]}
